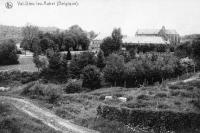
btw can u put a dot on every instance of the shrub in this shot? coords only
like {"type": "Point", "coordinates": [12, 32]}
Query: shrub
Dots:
{"type": "Point", "coordinates": [163, 106]}
{"type": "Point", "coordinates": [23, 77]}
{"type": "Point", "coordinates": [73, 86]}
{"type": "Point", "coordinates": [174, 87]}
{"type": "Point", "coordinates": [10, 125]}
{"type": "Point", "coordinates": [8, 53]}
{"type": "Point", "coordinates": [161, 95]}
{"type": "Point", "coordinates": [4, 108]}
{"type": "Point", "coordinates": [143, 97]}
{"type": "Point", "coordinates": [79, 62]}
{"type": "Point", "coordinates": [150, 68]}
{"type": "Point", "coordinates": [101, 60]}
{"type": "Point", "coordinates": [174, 93]}
{"type": "Point", "coordinates": [114, 69]}
{"type": "Point", "coordinates": [91, 77]}
{"type": "Point", "coordinates": [52, 94]}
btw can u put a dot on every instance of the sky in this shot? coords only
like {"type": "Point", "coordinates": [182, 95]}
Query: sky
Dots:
{"type": "Point", "coordinates": [102, 16]}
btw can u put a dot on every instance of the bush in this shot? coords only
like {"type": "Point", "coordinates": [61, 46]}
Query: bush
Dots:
{"type": "Point", "coordinates": [101, 60]}
{"type": "Point", "coordinates": [161, 95]}
{"type": "Point", "coordinates": [23, 77]}
{"type": "Point", "coordinates": [91, 77]}
{"type": "Point", "coordinates": [8, 53]}
{"type": "Point", "coordinates": [50, 92]}
{"type": "Point", "coordinates": [4, 108]}
{"type": "Point", "coordinates": [79, 62]}
{"type": "Point", "coordinates": [73, 86]}
{"type": "Point", "coordinates": [150, 68]}
{"type": "Point", "coordinates": [172, 121]}
{"type": "Point", "coordinates": [143, 97]}
{"type": "Point", "coordinates": [114, 69]}
{"type": "Point", "coordinates": [10, 125]}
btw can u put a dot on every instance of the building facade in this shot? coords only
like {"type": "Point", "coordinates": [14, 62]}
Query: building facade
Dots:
{"type": "Point", "coordinates": [168, 35]}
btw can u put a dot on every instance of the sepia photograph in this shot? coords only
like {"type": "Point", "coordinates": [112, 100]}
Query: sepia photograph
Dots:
{"type": "Point", "coordinates": [99, 66]}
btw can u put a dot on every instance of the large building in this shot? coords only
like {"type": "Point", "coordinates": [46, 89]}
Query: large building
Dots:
{"type": "Point", "coordinates": [166, 34]}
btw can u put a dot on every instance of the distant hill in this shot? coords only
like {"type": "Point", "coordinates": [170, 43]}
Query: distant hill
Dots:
{"type": "Point", "coordinates": [191, 37]}
{"type": "Point", "coordinates": [15, 33]}
{"type": "Point", "coordinates": [10, 32]}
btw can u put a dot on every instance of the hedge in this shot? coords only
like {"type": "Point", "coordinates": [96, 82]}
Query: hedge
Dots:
{"type": "Point", "coordinates": [169, 120]}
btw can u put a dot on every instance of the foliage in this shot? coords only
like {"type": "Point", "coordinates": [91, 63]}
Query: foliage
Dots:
{"type": "Point", "coordinates": [57, 68]}
{"type": "Point", "coordinates": [158, 120]}
{"type": "Point", "coordinates": [74, 38]}
{"type": "Point", "coordinates": [91, 77]}
{"type": "Point", "coordinates": [125, 54]}
{"type": "Point", "coordinates": [23, 77]}
{"type": "Point", "coordinates": [151, 68]}
{"type": "Point", "coordinates": [196, 51]}
{"type": "Point", "coordinates": [101, 60]}
{"type": "Point", "coordinates": [79, 62]}
{"type": "Point", "coordinates": [113, 43]}
{"type": "Point", "coordinates": [114, 69]}
{"type": "Point", "coordinates": [8, 53]}
{"type": "Point", "coordinates": [49, 92]}
{"type": "Point", "coordinates": [41, 64]}
{"type": "Point", "coordinates": [29, 33]}
{"type": "Point", "coordinates": [184, 50]}
{"type": "Point", "coordinates": [148, 48]}
{"type": "Point", "coordinates": [73, 86]}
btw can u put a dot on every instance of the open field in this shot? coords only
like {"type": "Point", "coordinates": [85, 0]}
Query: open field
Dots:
{"type": "Point", "coordinates": [25, 64]}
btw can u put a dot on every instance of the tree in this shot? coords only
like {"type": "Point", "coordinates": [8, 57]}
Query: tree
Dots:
{"type": "Point", "coordinates": [107, 46]}
{"type": "Point", "coordinates": [69, 42]}
{"type": "Point", "coordinates": [196, 51]}
{"type": "Point", "coordinates": [69, 56]}
{"type": "Point", "coordinates": [8, 53]}
{"type": "Point", "coordinates": [79, 62]}
{"type": "Point", "coordinates": [80, 37]}
{"type": "Point", "coordinates": [44, 44]}
{"type": "Point", "coordinates": [101, 60]}
{"type": "Point", "coordinates": [39, 63]}
{"type": "Point", "coordinates": [117, 38]}
{"type": "Point", "coordinates": [29, 32]}
{"type": "Point", "coordinates": [114, 69]}
{"type": "Point", "coordinates": [91, 77]}
{"type": "Point", "coordinates": [113, 43]}
{"type": "Point", "coordinates": [36, 46]}
{"type": "Point", "coordinates": [92, 35]}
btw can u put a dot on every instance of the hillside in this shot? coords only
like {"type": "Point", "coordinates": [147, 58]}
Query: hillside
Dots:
{"type": "Point", "coordinates": [10, 32]}
{"type": "Point", "coordinates": [13, 32]}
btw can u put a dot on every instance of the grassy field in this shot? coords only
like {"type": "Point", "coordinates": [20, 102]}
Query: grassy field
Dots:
{"type": "Point", "coordinates": [14, 121]}
{"type": "Point", "coordinates": [81, 108]}
{"type": "Point", "coordinates": [25, 64]}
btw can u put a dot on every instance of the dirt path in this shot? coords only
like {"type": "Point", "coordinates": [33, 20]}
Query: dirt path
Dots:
{"type": "Point", "coordinates": [194, 77]}
{"type": "Point", "coordinates": [46, 116]}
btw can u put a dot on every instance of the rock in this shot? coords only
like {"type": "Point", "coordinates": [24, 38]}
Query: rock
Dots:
{"type": "Point", "coordinates": [108, 97]}
{"type": "Point", "coordinates": [4, 88]}
{"type": "Point", "coordinates": [122, 99]}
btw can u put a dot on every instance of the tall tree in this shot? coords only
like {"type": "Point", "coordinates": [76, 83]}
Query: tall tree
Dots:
{"type": "Point", "coordinates": [101, 60]}
{"type": "Point", "coordinates": [29, 32]}
{"type": "Point", "coordinates": [113, 43]}
{"type": "Point", "coordinates": [117, 38]}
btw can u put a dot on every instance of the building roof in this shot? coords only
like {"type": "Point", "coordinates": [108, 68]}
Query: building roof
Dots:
{"type": "Point", "coordinates": [154, 31]}
{"type": "Point", "coordinates": [171, 32]}
{"type": "Point", "coordinates": [145, 40]}
{"type": "Point", "coordinates": [147, 31]}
